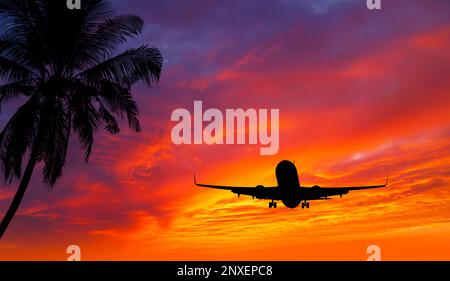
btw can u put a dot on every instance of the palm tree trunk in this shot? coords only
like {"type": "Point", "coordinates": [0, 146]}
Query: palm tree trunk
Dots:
{"type": "Point", "coordinates": [19, 194]}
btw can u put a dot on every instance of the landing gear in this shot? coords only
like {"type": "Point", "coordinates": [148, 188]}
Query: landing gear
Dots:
{"type": "Point", "coordinates": [305, 204]}
{"type": "Point", "coordinates": [272, 204]}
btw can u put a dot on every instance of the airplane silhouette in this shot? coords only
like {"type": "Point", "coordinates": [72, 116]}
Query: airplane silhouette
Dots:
{"type": "Point", "coordinates": [289, 190]}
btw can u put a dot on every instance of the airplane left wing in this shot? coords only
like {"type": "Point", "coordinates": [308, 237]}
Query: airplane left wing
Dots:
{"type": "Point", "coordinates": [259, 191]}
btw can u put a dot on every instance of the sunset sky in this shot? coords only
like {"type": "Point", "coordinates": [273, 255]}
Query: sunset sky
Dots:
{"type": "Point", "coordinates": [361, 94]}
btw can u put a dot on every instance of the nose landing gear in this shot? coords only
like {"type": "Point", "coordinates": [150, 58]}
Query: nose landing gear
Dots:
{"type": "Point", "coordinates": [305, 204]}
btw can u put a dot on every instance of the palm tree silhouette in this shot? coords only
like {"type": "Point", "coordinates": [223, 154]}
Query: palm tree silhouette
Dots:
{"type": "Point", "coordinates": [63, 64]}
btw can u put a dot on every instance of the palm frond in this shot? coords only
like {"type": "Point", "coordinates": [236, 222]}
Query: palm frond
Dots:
{"type": "Point", "coordinates": [54, 132]}
{"type": "Point", "coordinates": [86, 122]}
{"type": "Point", "coordinates": [140, 64]}
{"type": "Point", "coordinates": [112, 125]}
{"type": "Point", "coordinates": [19, 51]}
{"type": "Point", "coordinates": [94, 47]}
{"type": "Point", "coordinates": [15, 89]}
{"type": "Point", "coordinates": [18, 136]}
{"type": "Point", "coordinates": [26, 20]}
{"type": "Point", "coordinates": [96, 11]}
{"type": "Point", "coordinates": [121, 102]}
{"type": "Point", "coordinates": [13, 71]}
{"type": "Point", "coordinates": [21, 16]}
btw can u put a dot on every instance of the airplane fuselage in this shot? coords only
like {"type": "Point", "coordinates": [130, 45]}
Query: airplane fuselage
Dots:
{"type": "Point", "coordinates": [289, 184]}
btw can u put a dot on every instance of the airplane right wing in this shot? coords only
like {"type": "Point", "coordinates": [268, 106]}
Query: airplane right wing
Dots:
{"type": "Point", "coordinates": [317, 192]}
{"type": "Point", "coordinates": [259, 191]}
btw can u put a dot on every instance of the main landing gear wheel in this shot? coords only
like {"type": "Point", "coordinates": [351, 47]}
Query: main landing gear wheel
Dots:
{"type": "Point", "coordinates": [272, 204]}
{"type": "Point", "coordinates": [307, 205]}
{"type": "Point", "coordinates": [303, 205]}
